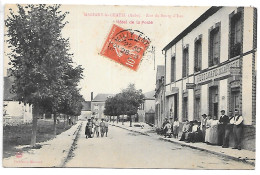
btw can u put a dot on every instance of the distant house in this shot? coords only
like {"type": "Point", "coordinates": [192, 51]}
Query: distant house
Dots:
{"type": "Point", "coordinates": [159, 96]}
{"type": "Point", "coordinates": [98, 104]}
{"type": "Point", "coordinates": [14, 113]}
{"type": "Point", "coordinates": [146, 111]}
{"type": "Point", "coordinates": [86, 110]}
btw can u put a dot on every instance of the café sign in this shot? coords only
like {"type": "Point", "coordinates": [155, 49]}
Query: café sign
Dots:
{"type": "Point", "coordinates": [216, 73]}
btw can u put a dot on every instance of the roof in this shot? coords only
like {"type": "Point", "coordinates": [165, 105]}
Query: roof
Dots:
{"type": "Point", "coordinates": [8, 96]}
{"type": "Point", "coordinates": [197, 22]}
{"type": "Point", "coordinates": [86, 106]}
{"type": "Point", "coordinates": [101, 97]}
{"type": "Point", "coordinates": [160, 72]}
{"type": "Point", "coordinates": [149, 95]}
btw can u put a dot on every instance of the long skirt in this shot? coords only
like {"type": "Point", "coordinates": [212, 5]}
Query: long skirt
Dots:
{"type": "Point", "coordinates": [213, 136]}
{"type": "Point", "coordinates": [207, 134]}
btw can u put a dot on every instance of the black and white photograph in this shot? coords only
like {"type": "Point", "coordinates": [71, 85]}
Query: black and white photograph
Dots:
{"type": "Point", "coordinates": [129, 86]}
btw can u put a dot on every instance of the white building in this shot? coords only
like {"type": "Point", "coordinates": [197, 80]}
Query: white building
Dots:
{"type": "Point", "coordinates": [210, 66]}
{"type": "Point", "coordinates": [146, 110]}
{"type": "Point", "coordinates": [15, 113]}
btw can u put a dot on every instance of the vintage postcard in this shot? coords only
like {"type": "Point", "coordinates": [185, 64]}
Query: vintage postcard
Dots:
{"type": "Point", "coordinates": [101, 86]}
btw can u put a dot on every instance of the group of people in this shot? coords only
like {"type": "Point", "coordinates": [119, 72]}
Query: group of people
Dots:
{"type": "Point", "coordinates": [209, 130]}
{"type": "Point", "coordinates": [95, 127]}
{"type": "Point", "coordinates": [171, 128]}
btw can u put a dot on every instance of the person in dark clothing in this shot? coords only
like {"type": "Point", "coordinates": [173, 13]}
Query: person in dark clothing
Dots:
{"type": "Point", "coordinates": [88, 129]}
{"type": "Point", "coordinates": [237, 129]}
{"type": "Point", "coordinates": [228, 130]}
{"type": "Point", "coordinates": [223, 121]}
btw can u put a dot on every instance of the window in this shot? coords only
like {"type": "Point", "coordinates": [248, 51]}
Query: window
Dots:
{"type": "Point", "coordinates": [185, 62]}
{"type": "Point", "coordinates": [236, 35]}
{"type": "Point", "coordinates": [173, 68]}
{"type": "Point", "coordinates": [214, 47]}
{"type": "Point", "coordinates": [198, 56]}
{"type": "Point", "coordinates": [185, 109]}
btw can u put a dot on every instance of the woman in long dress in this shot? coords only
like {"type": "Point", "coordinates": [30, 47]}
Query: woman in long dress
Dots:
{"type": "Point", "coordinates": [213, 136]}
{"type": "Point", "coordinates": [208, 126]}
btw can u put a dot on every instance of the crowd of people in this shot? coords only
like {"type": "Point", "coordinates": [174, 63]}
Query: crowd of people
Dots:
{"type": "Point", "coordinates": [209, 130]}
{"type": "Point", "coordinates": [95, 127]}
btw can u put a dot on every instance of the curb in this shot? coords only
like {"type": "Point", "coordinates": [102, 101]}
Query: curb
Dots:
{"type": "Point", "coordinates": [210, 151]}
{"type": "Point", "coordinates": [194, 147]}
{"type": "Point", "coordinates": [75, 138]}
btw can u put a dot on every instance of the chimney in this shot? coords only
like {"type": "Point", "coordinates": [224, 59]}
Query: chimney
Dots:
{"type": "Point", "coordinates": [91, 96]}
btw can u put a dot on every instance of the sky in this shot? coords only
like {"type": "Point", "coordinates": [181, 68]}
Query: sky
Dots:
{"type": "Point", "coordinates": [87, 34]}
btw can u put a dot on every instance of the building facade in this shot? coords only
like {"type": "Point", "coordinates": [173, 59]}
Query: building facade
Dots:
{"type": "Point", "coordinates": [159, 96]}
{"type": "Point", "coordinates": [14, 113]}
{"type": "Point", "coordinates": [146, 111]}
{"type": "Point", "coordinates": [85, 111]}
{"type": "Point", "coordinates": [210, 66]}
{"type": "Point", "coordinates": [98, 105]}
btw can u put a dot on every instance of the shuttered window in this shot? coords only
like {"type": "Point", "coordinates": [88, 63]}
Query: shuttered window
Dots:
{"type": "Point", "coordinates": [214, 47]}
{"type": "Point", "coordinates": [185, 62]}
{"type": "Point", "coordinates": [236, 35]}
{"type": "Point", "coordinates": [198, 56]}
{"type": "Point", "coordinates": [173, 69]}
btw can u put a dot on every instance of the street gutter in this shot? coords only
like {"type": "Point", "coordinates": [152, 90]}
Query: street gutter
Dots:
{"type": "Point", "coordinates": [73, 145]}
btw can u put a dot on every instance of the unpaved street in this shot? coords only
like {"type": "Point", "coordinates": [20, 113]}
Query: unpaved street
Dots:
{"type": "Point", "coordinates": [125, 149]}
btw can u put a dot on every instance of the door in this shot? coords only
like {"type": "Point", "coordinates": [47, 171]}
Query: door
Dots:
{"type": "Point", "coordinates": [197, 109]}
{"type": "Point", "coordinates": [235, 101]}
{"type": "Point", "coordinates": [175, 112]}
{"type": "Point", "coordinates": [213, 101]}
{"type": "Point", "coordinates": [185, 108]}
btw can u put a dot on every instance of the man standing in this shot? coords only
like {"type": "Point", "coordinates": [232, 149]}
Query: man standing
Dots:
{"type": "Point", "coordinates": [203, 126]}
{"type": "Point", "coordinates": [228, 129]}
{"type": "Point", "coordinates": [96, 127]}
{"type": "Point", "coordinates": [102, 127]}
{"type": "Point", "coordinates": [106, 127]}
{"type": "Point", "coordinates": [223, 121]}
{"type": "Point", "coordinates": [238, 126]}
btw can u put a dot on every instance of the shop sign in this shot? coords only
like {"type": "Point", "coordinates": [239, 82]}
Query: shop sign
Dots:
{"type": "Point", "coordinates": [190, 85]}
{"type": "Point", "coordinates": [222, 71]}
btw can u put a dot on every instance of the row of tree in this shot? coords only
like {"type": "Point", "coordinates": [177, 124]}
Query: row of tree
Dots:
{"type": "Point", "coordinates": [124, 103]}
{"type": "Point", "coordinates": [41, 64]}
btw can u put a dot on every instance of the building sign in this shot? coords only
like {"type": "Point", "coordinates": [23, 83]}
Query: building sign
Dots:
{"type": "Point", "coordinates": [218, 72]}
{"type": "Point", "coordinates": [190, 85]}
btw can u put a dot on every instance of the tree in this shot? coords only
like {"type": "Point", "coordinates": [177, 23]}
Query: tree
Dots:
{"type": "Point", "coordinates": [132, 98]}
{"type": "Point", "coordinates": [40, 58]}
{"type": "Point", "coordinates": [125, 103]}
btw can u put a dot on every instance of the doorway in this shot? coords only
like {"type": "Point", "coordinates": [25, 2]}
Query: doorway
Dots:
{"type": "Point", "coordinates": [213, 101]}
{"type": "Point", "coordinates": [197, 109]}
{"type": "Point", "coordinates": [235, 100]}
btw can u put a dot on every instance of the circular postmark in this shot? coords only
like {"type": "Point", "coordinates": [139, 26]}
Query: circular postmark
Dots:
{"type": "Point", "coordinates": [126, 46]}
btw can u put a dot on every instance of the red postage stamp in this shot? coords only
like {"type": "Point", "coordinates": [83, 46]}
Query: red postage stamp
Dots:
{"type": "Point", "coordinates": [125, 46]}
